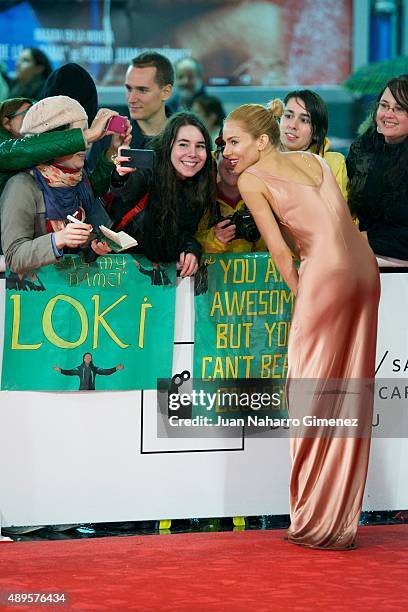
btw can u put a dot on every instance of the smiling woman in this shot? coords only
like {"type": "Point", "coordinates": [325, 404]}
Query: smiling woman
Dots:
{"type": "Point", "coordinates": [295, 200]}
{"type": "Point", "coordinates": [188, 153]}
{"type": "Point", "coordinates": [377, 166]}
{"type": "Point", "coordinates": [163, 207]}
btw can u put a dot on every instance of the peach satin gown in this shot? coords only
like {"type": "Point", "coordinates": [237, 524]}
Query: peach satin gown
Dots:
{"type": "Point", "coordinates": [333, 336]}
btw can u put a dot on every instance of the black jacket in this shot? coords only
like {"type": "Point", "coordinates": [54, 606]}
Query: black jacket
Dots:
{"type": "Point", "coordinates": [159, 245]}
{"type": "Point", "coordinates": [378, 192]}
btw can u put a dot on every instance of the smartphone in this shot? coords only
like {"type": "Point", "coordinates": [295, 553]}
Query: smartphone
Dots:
{"type": "Point", "coordinates": [138, 158]}
{"type": "Point", "coordinates": [116, 124]}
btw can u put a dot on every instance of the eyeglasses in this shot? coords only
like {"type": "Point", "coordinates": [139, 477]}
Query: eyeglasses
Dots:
{"type": "Point", "coordinates": [398, 110]}
{"type": "Point", "coordinates": [13, 115]}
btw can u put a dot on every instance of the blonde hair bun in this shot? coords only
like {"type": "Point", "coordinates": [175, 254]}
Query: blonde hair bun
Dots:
{"type": "Point", "coordinates": [275, 107]}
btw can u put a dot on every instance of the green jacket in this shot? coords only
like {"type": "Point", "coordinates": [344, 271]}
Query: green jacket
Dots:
{"type": "Point", "coordinates": [21, 153]}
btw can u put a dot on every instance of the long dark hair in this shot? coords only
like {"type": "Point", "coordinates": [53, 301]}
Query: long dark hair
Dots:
{"type": "Point", "coordinates": [317, 108]}
{"type": "Point", "coordinates": [199, 190]}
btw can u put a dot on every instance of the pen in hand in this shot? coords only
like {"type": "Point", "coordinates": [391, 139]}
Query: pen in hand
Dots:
{"type": "Point", "coordinates": [73, 235]}
{"type": "Point", "coordinates": [73, 219]}
{"type": "Point", "coordinates": [99, 246]}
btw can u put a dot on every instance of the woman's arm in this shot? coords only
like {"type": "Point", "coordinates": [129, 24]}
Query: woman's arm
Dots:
{"type": "Point", "coordinates": [101, 175]}
{"type": "Point", "coordinates": [253, 193]}
{"type": "Point", "coordinates": [132, 186]}
{"type": "Point", "coordinates": [18, 154]}
{"type": "Point", "coordinates": [18, 226]}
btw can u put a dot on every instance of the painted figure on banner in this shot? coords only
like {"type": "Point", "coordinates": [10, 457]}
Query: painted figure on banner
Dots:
{"type": "Point", "coordinates": [201, 276]}
{"type": "Point", "coordinates": [24, 282]}
{"type": "Point", "coordinates": [157, 273]}
{"type": "Point", "coordinates": [87, 372]}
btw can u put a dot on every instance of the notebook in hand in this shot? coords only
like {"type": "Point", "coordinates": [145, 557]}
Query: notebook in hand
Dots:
{"type": "Point", "coordinates": [118, 241]}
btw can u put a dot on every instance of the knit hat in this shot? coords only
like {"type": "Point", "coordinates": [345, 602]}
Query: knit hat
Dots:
{"type": "Point", "coordinates": [52, 113]}
{"type": "Point", "coordinates": [74, 81]}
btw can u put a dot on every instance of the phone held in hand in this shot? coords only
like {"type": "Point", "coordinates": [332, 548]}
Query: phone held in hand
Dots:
{"type": "Point", "coordinates": [116, 124]}
{"type": "Point", "coordinates": [142, 159]}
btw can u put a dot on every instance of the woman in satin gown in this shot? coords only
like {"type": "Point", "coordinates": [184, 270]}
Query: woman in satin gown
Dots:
{"type": "Point", "coordinates": [295, 200]}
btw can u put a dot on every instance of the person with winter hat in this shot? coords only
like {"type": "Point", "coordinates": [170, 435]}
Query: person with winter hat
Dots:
{"type": "Point", "coordinates": [74, 81]}
{"type": "Point", "coordinates": [35, 204]}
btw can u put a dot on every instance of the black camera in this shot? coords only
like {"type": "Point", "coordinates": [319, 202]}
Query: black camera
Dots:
{"type": "Point", "coordinates": [244, 223]}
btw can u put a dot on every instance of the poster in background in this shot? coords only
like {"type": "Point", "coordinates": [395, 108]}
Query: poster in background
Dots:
{"type": "Point", "coordinates": [120, 309]}
{"type": "Point", "coordinates": [262, 42]}
{"type": "Point", "coordinates": [243, 310]}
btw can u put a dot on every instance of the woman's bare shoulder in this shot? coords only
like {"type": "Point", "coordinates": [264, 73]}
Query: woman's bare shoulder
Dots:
{"type": "Point", "coordinates": [250, 178]}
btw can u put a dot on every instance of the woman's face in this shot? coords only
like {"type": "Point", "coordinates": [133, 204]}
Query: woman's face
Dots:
{"type": "Point", "coordinates": [72, 162]}
{"type": "Point", "coordinates": [226, 172]}
{"type": "Point", "coordinates": [26, 68]}
{"type": "Point", "coordinates": [13, 122]}
{"type": "Point", "coordinates": [77, 160]}
{"type": "Point", "coordinates": [198, 110]}
{"type": "Point", "coordinates": [209, 120]}
{"type": "Point", "coordinates": [391, 119]}
{"type": "Point", "coordinates": [296, 126]}
{"type": "Point", "coordinates": [241, 149]}
{"type": "Point", "coordinates": [188, 152]}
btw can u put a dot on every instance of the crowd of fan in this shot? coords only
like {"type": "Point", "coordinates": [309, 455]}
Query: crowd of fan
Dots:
{"type": "Point", "coordinates": [59, 159]}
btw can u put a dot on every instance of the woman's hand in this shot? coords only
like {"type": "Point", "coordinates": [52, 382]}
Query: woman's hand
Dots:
{"type": "Point", "coordinates": [73, 235]}
{"type": "Point", "coordinates": [187, 264]}
{"type": "Point", "coordinates": [119, 140]}
{"type": "Point", "coordinates": [224, 231]}
{"type": "Point", "coordinates": [122, 170]}
{"type": "Point", "coordinates": [97, 129]}
{"type": "Point", "coordinates": [100, 248]}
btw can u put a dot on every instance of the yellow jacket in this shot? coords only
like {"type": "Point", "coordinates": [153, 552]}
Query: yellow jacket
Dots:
{"type": "Point", "coordinates": [337, 163]}
{"type": "Point", "coordinates": [210, 243]}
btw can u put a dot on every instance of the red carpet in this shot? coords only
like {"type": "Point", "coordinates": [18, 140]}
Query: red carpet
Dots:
{"type": "Point", "coordinates": [238, 571]}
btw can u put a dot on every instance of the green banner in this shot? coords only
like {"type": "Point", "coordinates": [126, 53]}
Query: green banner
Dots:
{"type": "Point", "coordinates": [78, 326]}
{"type": "Point", "coordinates": [243, 310]}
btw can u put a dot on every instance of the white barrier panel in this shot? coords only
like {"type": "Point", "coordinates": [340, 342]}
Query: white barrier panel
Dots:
{"type": "Point", "coordinates": [94, 457]}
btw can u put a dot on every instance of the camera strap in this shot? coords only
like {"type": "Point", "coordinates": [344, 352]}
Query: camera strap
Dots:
{"type": "Point", "coordinates": [137, 208]}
